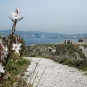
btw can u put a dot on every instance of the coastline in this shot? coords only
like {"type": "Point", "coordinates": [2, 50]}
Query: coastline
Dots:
{"type": "Point", "coordinates": [30, 41]}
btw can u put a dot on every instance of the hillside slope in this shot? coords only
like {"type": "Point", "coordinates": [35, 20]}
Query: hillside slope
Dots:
{"type": "Point", "coordinates": [55, 50]}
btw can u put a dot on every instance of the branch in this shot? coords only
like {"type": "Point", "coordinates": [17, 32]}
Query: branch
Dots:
{"type": "Point", "coordinates": [11, 19]}
{"type": "Point", "coordinates": [20, 19]}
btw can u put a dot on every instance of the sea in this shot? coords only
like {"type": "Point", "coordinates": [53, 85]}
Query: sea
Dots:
{"type": "Point", "coordinates": [30, 41]}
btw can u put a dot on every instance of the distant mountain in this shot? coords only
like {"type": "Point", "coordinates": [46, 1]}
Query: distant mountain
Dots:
{"type": "Point", "coordinates": [6, 32]}
{"type": "Point", "coordinates": [21, 33]}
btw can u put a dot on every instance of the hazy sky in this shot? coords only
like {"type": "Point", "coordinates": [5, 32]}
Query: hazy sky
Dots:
{"type": "Point", "coordinates": [60, 16]}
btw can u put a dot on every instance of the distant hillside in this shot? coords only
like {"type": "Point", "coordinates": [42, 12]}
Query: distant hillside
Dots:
{"type": "Point", "coordinates": [29, 32]}
{"type": "Point", "coordinates": [6, 32]}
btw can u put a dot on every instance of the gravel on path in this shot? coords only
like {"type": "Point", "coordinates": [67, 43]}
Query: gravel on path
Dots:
{"type": "Point", "coordinates": [51, 74]}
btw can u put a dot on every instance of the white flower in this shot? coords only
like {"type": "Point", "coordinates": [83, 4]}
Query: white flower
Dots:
{"type": "Point", "coordinates": [6, 49]}
{"type": "Point", "coordinates": [53, 50]}
{"type": "Point", "coordinates": [15, 15]}
{"type": "Point", "coordinates": [1, 41]}
{"type": "Point", "coordinates": [16, 47]}
{"type": "Point", "coordinates": [2, 68]}
{"type": "Point", "coordinates": [17, 11]}
{"type": "Point", "coordinates": [5, 52]}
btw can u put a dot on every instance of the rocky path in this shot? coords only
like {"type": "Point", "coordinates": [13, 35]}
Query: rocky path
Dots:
{"type": "Point", "coordinates": [51, 74]}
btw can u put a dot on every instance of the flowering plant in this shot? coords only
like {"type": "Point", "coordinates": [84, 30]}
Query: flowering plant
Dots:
{"type": "Point", "coordinates": [10, 44]}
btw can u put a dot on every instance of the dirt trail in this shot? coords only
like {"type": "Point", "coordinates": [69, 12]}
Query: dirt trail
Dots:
{"type": "Point", "coordinates": [55, 75]}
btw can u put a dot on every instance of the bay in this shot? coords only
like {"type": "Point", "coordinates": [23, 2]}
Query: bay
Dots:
{"type": "Point", "coordinates": [29, 41]}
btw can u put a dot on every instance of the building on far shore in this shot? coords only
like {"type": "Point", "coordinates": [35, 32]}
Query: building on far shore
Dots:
{"type": "Point", "coordinates": [68, 42]}
{"type": "Point", "coordinates": [81, 41]}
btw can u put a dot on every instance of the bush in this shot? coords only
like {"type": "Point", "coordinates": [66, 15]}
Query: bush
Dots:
{"type": "Point", "coordinates": [16, 66]}
{"type": "Point", "coordinates": [80, 64]}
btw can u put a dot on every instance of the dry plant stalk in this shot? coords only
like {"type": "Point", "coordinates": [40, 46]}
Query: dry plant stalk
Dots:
{"type": "Point", "coordinates": [32, 73]}
{"type": "Point", "coordinates": [35, 78]}
{"type": "Point", "coordinates": [40, 77]}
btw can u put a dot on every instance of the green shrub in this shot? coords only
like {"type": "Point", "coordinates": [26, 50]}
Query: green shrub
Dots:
{"type": "Point", "coordinates": [80, 64]}
{"type": "Point", "coordinates": [16, 66]}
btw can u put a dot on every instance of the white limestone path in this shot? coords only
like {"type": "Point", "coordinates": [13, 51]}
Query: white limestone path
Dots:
{"type": "Point", "coordinates": [55, 75]}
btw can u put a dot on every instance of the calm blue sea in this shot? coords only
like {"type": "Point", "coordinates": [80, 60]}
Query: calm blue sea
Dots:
{"type": "Point", "coordinates": [30, 41]}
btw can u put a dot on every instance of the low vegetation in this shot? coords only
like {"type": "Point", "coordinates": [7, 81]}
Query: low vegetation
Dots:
{"type": "Point", "coordinates": [15, 69]}
{"type": "Point", "coordinates": [67, 54]}
{"type": "Point", "coordinates": [80, 64]}
{"type": "Point", "coordinates": [62, 50]}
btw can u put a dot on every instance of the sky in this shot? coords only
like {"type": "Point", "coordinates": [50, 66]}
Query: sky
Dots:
{"type": "Point", "coordinates": [56, 16]}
